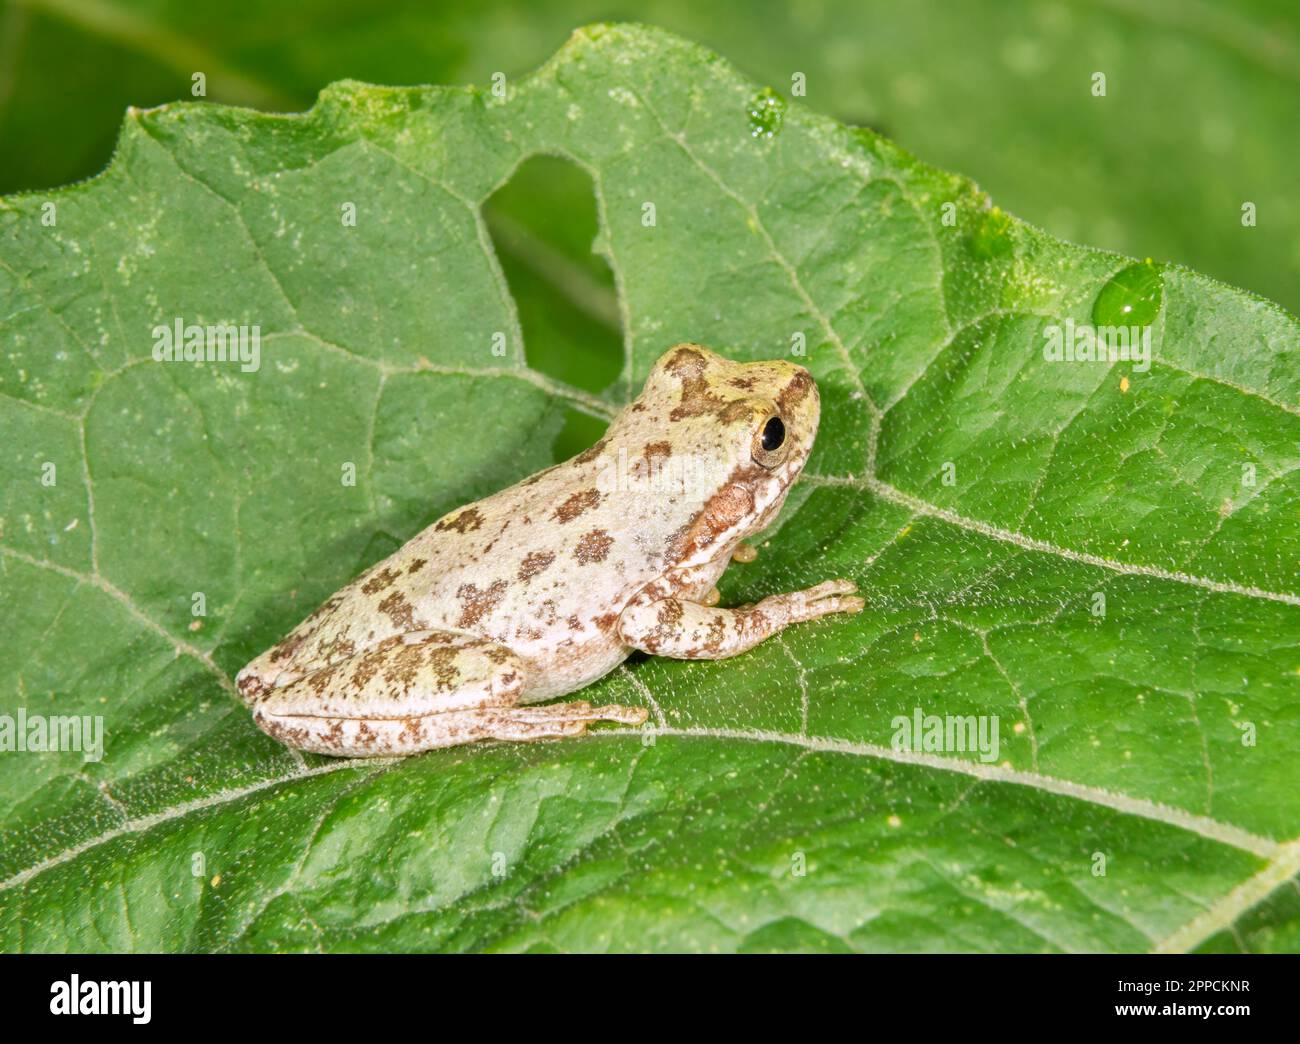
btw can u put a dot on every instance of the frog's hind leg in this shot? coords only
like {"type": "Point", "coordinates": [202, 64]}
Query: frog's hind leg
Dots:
{"type": "Point", "coordinates": [523, 724]}
{"type": "Point", "coordinates": [559, 719]}
{"type": "Point", "coordinates": [408, 693]}
{"type": "Point", "coordinates": [416, 692]}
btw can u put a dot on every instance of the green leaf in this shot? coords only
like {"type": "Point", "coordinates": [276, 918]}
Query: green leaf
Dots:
{"type": "Point", "coordinates": [982, 496]}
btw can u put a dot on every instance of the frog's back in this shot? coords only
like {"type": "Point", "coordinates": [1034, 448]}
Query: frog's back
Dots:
{"type": "Point", "coordinates": [542, 567]}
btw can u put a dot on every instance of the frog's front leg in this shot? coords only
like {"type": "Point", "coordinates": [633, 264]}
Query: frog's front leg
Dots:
{"type": "Point", "coordinates": [415, 692]}
{"type": "Point", "coordinates": [690, 631]}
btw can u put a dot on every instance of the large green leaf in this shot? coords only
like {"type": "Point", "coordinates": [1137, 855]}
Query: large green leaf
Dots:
{"type": "Point", "coordinates": [982, 497]}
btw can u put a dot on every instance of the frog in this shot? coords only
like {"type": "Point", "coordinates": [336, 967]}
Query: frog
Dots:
{"type": "Point", "coordinates": [535, 592]}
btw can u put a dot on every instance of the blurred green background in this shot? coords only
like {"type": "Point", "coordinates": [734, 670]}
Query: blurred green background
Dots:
{"type": "Point", "coordinates": [1201, 113]}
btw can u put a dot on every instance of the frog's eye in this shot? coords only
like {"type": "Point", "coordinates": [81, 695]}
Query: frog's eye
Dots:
{"type": "Point", "coordinates": [773, 434]}
{"type": "Point", "coordinates": [770, 443]}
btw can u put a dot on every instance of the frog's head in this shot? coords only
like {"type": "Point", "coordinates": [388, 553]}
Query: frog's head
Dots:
{"type": "Point", "coordinates": [743, 431]}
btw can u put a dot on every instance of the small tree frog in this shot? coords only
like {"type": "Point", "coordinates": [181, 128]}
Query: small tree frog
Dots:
{"type": "Point", "coordinates": [542, 588]}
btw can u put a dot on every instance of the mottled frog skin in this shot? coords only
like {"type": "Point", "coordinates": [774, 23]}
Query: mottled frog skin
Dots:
{"type": "Point", "coordinates": [542, 588]}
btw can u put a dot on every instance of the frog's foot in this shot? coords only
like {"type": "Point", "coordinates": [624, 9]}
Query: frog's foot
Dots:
{"type": "Point", "coordinates": [744, 553]}
{"type": "Point", "coordinates": [833, 596]}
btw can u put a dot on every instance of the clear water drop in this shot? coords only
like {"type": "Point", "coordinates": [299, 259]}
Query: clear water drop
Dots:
{"type": "Point", "coordinates": [1131, 297]}
{"type": "Point", "coordinates": [766, 112]}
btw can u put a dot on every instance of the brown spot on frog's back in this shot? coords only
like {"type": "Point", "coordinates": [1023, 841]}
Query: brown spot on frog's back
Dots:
{"type": "Point", "coordinates": [650, 465]}
{"type": "Point", "coordinates": [687, 362]}
{"type": "Point", "coordinates": [288, 647]}
{"type": "Point", "coordinates": [477, 603]}
{"type": "Point", "coordinates": [656, 453]}
{"type": "Point", "coordinates": [378, 581]}
{"type": "Point", "coordinates": [593, 547]}
{"type": "Point", "coordinates": [697, 399]}
{"type": "Point", "coordinates": [534, 562]}
{"type": "Point", "coordinates": [576, 504]}
{"type": "Point", "coordinates": [399, 610]}
{"type": "Point", "coordinates": [463, 522]}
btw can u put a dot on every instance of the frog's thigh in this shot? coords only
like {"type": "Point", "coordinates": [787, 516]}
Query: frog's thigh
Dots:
{"type": "Point", "coordinates": [419, 691]}
{"type": "Point", "coordinates": [409, 693]}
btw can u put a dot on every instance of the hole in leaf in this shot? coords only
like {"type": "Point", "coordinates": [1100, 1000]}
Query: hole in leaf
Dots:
{"type": "Point", "coordinates": [543, 222]}
{"type": "Point", "coordinates": [580, 431]}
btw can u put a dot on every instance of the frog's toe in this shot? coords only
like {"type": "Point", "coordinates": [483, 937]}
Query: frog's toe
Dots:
{"type": "Point", "coordinates": [621, 714]}
{"type": "Point", "coordinates": [578, 710]}
{"type": "Point", "coordinates": [830, 588]}
{"type": "Point", "coordinates": [835, 603]}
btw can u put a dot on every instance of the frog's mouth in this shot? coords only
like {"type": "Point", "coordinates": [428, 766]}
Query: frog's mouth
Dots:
{"type": "Point", "coordinates": [766, 515]}
{"type": "Point", "coordinates": [745, 505]}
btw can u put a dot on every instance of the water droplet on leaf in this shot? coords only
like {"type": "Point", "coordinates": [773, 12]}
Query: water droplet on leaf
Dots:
{"type": "Point", "coordinates": [1131, 297]}
{"type": "Point", "coordinates": [766, 111]}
